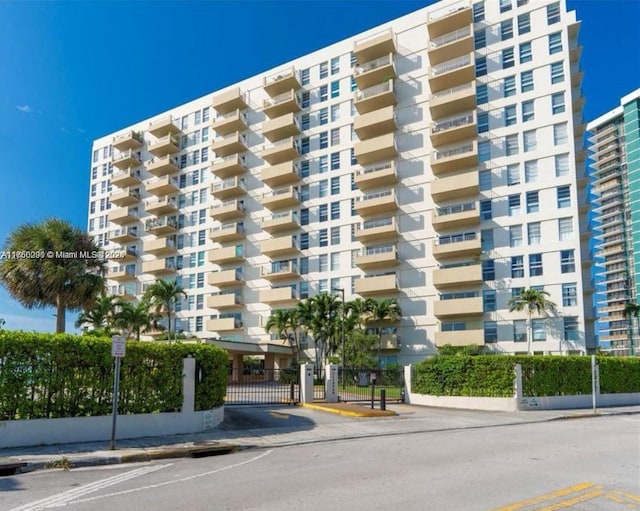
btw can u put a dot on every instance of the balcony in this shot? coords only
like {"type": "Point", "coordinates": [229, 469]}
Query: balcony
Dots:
{"type": "Point", "coordinates": [280, 270]}
{"type": "Point", "coordinates": [376, 123]}
{"type": "Point", "coordinates": [163, 186]}
{"type": "Point", "coordinates": [122, 273]}
{"type": "Point", "coordinates": [123, 216]}
{"type": "Point", "coordinates": [278, 296]}
{"type": "Point", "coordinates": [281, 151]}
{"type": "Point", "coordinates": [224, 324]}
{"type": "Point", "coordinates": [230, 144]}
{"type": "Point", "coordinates": [460, 338]}
{"type": "Point", "coordinates": [377, 176]}
{"type": "Point", "coordinates": [376, 230]}
{"type": "Point", "coordinates": [460, 245]}
{"type": "Point", "coordinates": [165, 126]}
{"type": "Point", "coordinates": [451, 45]}
{"type": "Point", "coordinates": [159, 267]}
{"type": "Point", "coordinates": [458, 307]}
{"type": "Point", "coordinates": [280, 82]}
{"type": "Point", "coordinates": [452, 100]}
{"type": "Point", "coordinates": [225, 301]}
{"type": "Point", "coordinates": [456, 157]}
{"type": "Point", "coordinates": [226, 278]}
{"type": "Point", "coordinates": [281, 127]}
{"type": "Point", "coordinates": [227, 232]}
{"type": "Point", "coordinates": [229, 166]}
{"type": "Point", "coordinates": [375, 98]}
{"type": "Point", "coordinates": [452, 129]}
{"type": "Point", "coordinates": [375, 46]}
{"type": "Point", "coordinates": [169, 144]}
{"type": "Point", "coordinates": [377, 285]}
{"type": "Point", "coordinates": [281, 174]}
{"type": "Point", "coordinates": [229, 188]}
{"type": "Point", "coordinates": [375, 71]}
{"type": "Point", "coordinates": [228, 101]}
{"type": "Point", "coordinates": [163, 166]}
{"type": "Point", "coordinates": [127, 177]}
{"type": "Point", "coordinates": [376, 149]}
{"type": "Point", "coordinates": [388, 342]}
{"type": "Point", "coordinates": [230, 123]}
{"type": "Point", "coordinates": [161, 226]}
{"type": "Point", "coordinates": [129, 140]}
{"type": "Point", "coordinates": [468, 275]}
{"type": "Point", "coordinates": [281, 222]}
{"type": "Point", "coordinates": [278, 247]}
{"type": "Point", "coordinates": [377, 203]}
{"type": "Point", "coordinates": [126, 159]}
{"type": "Point", "coordinates": [457, 216]}
{"type": "Point", "coordinates": [126, 255]}
{"type": "Point", "coordinates": [125, 235]}
{"type": "Point", "coordinates": [285, 197]}
{"type": "Point", "coordinates": [161, 246]}
{"type": "Point", "coordinates": [162, 206]}
{"type": "Point", "coordinates": [449, 18]}
{"type": "Point", "coordinates": [280, 105]}
{"type": "Point", "coordinates": [459, 186]}
{"type": "Point", "coordinates": [233, 209]}
{"type": "Point", "coordinates": [453, 72]}
{"type": "Point", "coordinates": [227, 255]}
{"type": "Point", "coordinates": [384, 256]}
{"type": "Point", "coordinates": [126, 292]}
{"type": "Point", "coordinates": [127, 197]}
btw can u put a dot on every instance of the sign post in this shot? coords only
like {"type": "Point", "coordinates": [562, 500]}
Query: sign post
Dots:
{"type": "Point", "coordinates": [118, 349]}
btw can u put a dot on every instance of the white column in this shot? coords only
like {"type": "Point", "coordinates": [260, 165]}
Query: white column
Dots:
{"type": "Point", "coordinates": [188, 385]}
{"type": "Point", "coordinates": [517, 386]}
{"type": "Point", "coordinates": [407, 384]}
{"type": "Point", "coordinates": [331, 383]}
{"type": "Point", "coordinates": [306, 383]}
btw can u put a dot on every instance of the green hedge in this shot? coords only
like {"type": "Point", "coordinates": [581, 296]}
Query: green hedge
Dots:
{"type": "Point", "coordinates": [493, 376]}
{"type": "Point", "coordinates": [47, 376]}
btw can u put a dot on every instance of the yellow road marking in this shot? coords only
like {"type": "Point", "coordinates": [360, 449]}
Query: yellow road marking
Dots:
{"type": "Point", "coordinates": [279, 415]}
{"type": "Point", "coordinates": [571, 502]}
{"type": "Point", "coordinates": [610, 496]}
{"type": "Point", "coordinates": [548, 496]}
{"type": "Point", "coordinates": [629, 496]}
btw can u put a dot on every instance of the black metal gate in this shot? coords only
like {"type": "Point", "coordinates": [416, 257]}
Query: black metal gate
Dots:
{"type": "Point", "coordinates": [366, 384]}
{"type": "Point", "coordinates": [263, 386]}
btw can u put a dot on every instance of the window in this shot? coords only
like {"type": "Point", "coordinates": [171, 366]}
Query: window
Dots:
{"type": "Point", "coordinates": [485, 209]}
{"type": "Point", "coordinates": [509, 86]}
{"type": "Point", "coordinates": [526, 81]}
{"type": "Point", "coordinates": [560, 135]}
{"type": "Point", "coordinates": [564, 196]}
{"type": "Point", "coordinates": [508, 58]}
{"type": "Point", "coordinates": [306, 99]}
{"type": "Point", "coordinates": [525, 53]}
{"type": "Point", "coordinates": [335, 161]}
{"type": "Point", "coordinates": [335, 112]}
{"type": "Point", "coordinates": [539, 330]}
{"type": "Point", "coordinates": [481, 66]}
{"type": "Point", "coordinates": [323, 263]}
{"type": "Point", "coordinates": [304, 145]}
{"type": "Point", "coordinates": [324, 140]}
{"type": "Point", "coordinates": [480, 39]}
{"type": "Point", "coordinates": [323, 238]}
{"type": "Point", "coordinates": [335, 235]}
{"type": "Point", "coordinates": [323, 188]}
{"type": "Point", "coordinates": [304, 240]}
{"type": "Point", "coordinates": [478, 12]}
{"type": "Point", "coordinates": [304, 265]}
{"type": "Point", "coordinates": [557, 103]}
{"type": "Point", "coordinates": [323, 70]}
{"type": "Point", "coordinates": [304, 216]}
{"type": "Point", "coordinates": [570, 328]}
{"type": "Point", "coordinates": [354, 86]}
{"type": "Point", "coordinates": [511, 145]}
{"type": "Point", "coordinates": [489, 300]}
{"type": "Point", "coordinates": [354, 160]}
{"type": "Point", "coordinates": [335, 263]}
{"type": "Point", "coordinates": [533, 202]}
{"type": "Point", "coordinates": [484, 150]}
{"type": "Point", "coordinates": [533, 233]}
{"type": "Point", "coordinates": [535, 265]}
{"type": "Point", "coordinates": [484, 180]}
{"type": "Point", "coordinates": [335, 88]}
{"type": "Point", "coordinates": [506, 29]}
{"type": "Point", "coordinates": [569, 295]}
{"type": "Point", "coordinates": [486, 240]}
{"type": "Point", "coordinates": [482, 94]}
{"type": "Point", "coordinates": [335, 65]}
{"type": "Point", "coordinates": [567, 261]}
{"type": "Point", "coordinates": [515, 236]}
{"type": "Point", "coordinates": [483, 122]}
{"type": "Point", "coordinates": [335, 185]}
{"type": "Point", "coordinates": [510, 115]}
{"type": "Point", "coordinates": [524, 23]}
{"type": "Point", "coordinates": [304, 168]}
{"type": "Point", "coordinates": [529, 141]}
{"type": "Point", "coordinates": [324, 93]}
{"type": "Point", "coordinates": [562, 164]}
{"type": "Point", "coordinates": [514, 205]}
{"type": "Point", "coordinates": [528, 112]}
{"type": "Point", "coordinates": [531, 171]}
{"type": "Point", "coordinates": [323, 213]}
{"type": "Point", "coordinates": [304, 76]}
{"type": "Point", "coordinates": [520, 330]}
{"type": "Point", "coordinates": [553, 13]}
{"type": "Point", "coordinates": [555, 43]}
{"type": "Point", "coordinates": [490, 331]}
{"type": "Point", "coordinates": [557, 73]}
{"type": "Point", "coordinates": [517, 267]}
{"type": "Point", "coordinates": [304, 193]}
{"type": "Point", "coordinates": [305, 122]}
{"type": "Point", "coordinates": [488, 270]}
{"type": "Point", "coordinates": [453, 326]}
{"type": "Point", "coordinates": [335, 136]}
{"type": "Point", "coordinates": [513, 174]}
{"type": "Point", "coordinates": [505, 5]}
{"type": "Point", "coordinates": [565, 229]}
{"type": "Point", "coordinates": [323, 164]}
{"type": "Point", "coordinates": [323, 116]}
{"type": "Point", "coordinates": [335, 210]}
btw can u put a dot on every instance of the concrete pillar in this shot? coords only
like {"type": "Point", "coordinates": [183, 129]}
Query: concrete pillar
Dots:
{"type": "Point", "coordinates": [306, 383]}
{"type": "Point", "coordinates": [269, 365]}
{"type": "Point", "coordinates": [188, 385]}
{"type": "Point", "coordinates": [331, 383]}
{"type": "Point", "coordinates": [408, 373]}
{"type": "Point", "coordinates": [237, 368]}
{"type": "Point", "coordinates": [517, 386]}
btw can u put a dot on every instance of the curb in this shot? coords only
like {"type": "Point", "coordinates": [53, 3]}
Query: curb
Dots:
{"type": "Point", "coordinates": [350, 413]}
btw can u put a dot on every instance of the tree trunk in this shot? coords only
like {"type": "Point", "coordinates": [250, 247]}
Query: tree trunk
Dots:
{"type": "Point", "coordinates": [530, 336]}
{"type": "Point", "coordinates": [60, 315]}
{"type": "Point", "coordinates": [169, 328]}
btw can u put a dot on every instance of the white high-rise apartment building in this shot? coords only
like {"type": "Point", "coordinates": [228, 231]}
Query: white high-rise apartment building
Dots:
{"type": "Point", "coordinates": [436, 159]}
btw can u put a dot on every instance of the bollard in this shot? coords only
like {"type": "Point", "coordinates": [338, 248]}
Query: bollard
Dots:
{"type": "Point", "coordinates": [292, 394]}
{"type": "Point", "coordinates": [373, 393]}
{"type": "Point", "coordinates": [383, 399]}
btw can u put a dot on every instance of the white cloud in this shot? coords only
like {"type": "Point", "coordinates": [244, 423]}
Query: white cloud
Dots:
{"type": "Point", "coordinates": [25, 108]}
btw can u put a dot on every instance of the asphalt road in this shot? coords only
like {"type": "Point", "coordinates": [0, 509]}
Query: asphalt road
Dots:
{"type": "Point", "coordinates": [586, 464]}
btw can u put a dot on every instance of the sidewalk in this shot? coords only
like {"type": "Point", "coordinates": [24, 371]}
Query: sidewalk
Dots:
{"type": "Point", "coordinates": [407, 419]}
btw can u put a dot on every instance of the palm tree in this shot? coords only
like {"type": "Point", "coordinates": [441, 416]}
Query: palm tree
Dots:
{"type": "Point", "coordinates": [632, 310]}
{"type": "Point", "coordinates": [100, 316]}
{"type": "Point", "coordinates": [534, 301]}
{"type": "Point", "coordinates": [133, 319]}
{"type": "Point", "coordinates": [163, 295]}
{"type": "Point", "coordinates": [62, 271]}
{"type": "Point", "coordinates": [323, 322]}
{"type": "Point", "coordinates": [382, 312]}
{"type": "Point", "coordinates": [357, 311]}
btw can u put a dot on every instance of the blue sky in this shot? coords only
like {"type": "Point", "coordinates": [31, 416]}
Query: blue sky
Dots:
{"type": "Point", "coordinates": [75, 71]}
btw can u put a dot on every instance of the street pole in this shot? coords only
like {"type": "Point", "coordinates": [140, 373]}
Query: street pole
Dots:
{"type": "Point", "coordinates": [342, 332]}
{"type": "Point", "coordinates": [114, 407]}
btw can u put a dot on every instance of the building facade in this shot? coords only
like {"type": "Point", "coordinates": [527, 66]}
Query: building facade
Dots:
{"type": "Point", "coordinates": [432, 159]}
{"type": "Point", "coordinates": [614, 144]}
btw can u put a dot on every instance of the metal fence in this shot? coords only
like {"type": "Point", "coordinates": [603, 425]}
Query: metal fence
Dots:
{"type": "Point", "coordinates": [263, 386]}
{"type": "Point", "coordinates": [366, 384]}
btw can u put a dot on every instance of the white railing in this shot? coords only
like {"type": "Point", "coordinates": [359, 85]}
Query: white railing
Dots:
{"type": "Point", "coordinates": [230, 136]}
{"type": "Point", "coordinates": [375, 90]}
{"type": "Point", "coordinates": [451, 37]}
{"type": "Point", "coordinates": [458, 208]}
{"type": "Point", "coordinates": [451, 65]}
{"type": "Point", "coordinates": [457, 238]}
{"type": "Point", "coordinates": [126, 173]}
{"type": "Point", "coordinates": [374, 64]}
{"type": "Point", "coordinates": [127, 270]}
{"type": "Point", "coordinates": [281, 75]}
{"type": "Point", "coordinates": [279, 143]}
{"type": "Point", "coordinates": [237, 203]}
{"type": "Point", "coordinates": [123, 232]}
{"type": "Point", "coordinates": [236, 158]}
{"type": "Point", "coordinates": [122, 155]}
{"type": "Point", "coordinates": [388, 165]}
{"type": "Point", "coordinates": [451, 91]}
{"type": "Point", "coordinates": [378, 35]}
{"type": "Point", "coordinates": [292, 215]}
{"type": "Point", "coordinates": [448, 10]}
{"type": "Point", "coordinates": [449, 152]}
{"type": "Point", "coordinates": [231, 115]}
{"type": "Point", "coordinates": [167, 139]}
{"type": "Point", "coordinates": [229, 182]}
{"type": "Point", "coordinates": [376, 195]}
{"type": "Point", "coordinates": [455, 121]}
{"type": "Point", "coordinates": [169, 201]}
{"type": "Point", "coordinates": [164, 120]}
{"type": "Point", "coordinates": [381, 222]}
{"type": "Point", "coordinates": [164, 180]}
{"type": "Point", "coordinates": [161, 222]}
{"type": "Point", "coordinates": [282, 191]}
{"type": "Point", "coordinates": [129, 135]}
{"type": "Point", "coordinates": [232, 226]}
{"type": "Point", "coordinates": [163, 160]}
{"type": "Point", "coordinates": [281, 98]}
{"type": "Point", "coordinates": [380, 249]}
{"type": "Point", "coordinates": [280, 267]}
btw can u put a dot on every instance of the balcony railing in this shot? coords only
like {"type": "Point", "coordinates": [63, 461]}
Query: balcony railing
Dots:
{"type": "Point", "coordinates": [451, 37]}
{"type": "Point", "coordinates": [451, 65]}
{"type": "Point", "coordinates": [381, 249]}
{"type": "Point", "coordinates": [458, 208]}
{"type": "Point", "coordinates": [282, 191]}
{"type": "Point", "coordinates": [380, 222]}
{"type": "Point", "coordinates": [375, 90]}
{"type": "Point", "coordinates": [161, 222]}
{"type": "Point", "coordinates": [163, 180]}
{"type": "Point", "coordinates": [280, 267]}
{"type": "Point", "coordinates": [376, 195]}
{"type": "Point", "coordinates": [452, 90]}
{"type": "Point", "coordinates": [455, 121]}
{"type": "Point", "coordinates": [448, 10]}
{"type": "Point", "coordinates": [387, 165]}
{"type": "Point", "coordinates": [229, 182]}
{"type": "Point", "coordinates": [293, 215]}
{"type": "Point", "coordinates": [374, 64]}
{"type": "Point", "coordinates": [457, 238]}
{"type": "Point", "coordinates": [281, 98]}
{"type": "Point", "coordinates": [449, 152]}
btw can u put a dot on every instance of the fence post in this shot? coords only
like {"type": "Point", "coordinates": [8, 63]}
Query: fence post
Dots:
{"type": "Point", "coordinates": [188, 385]}
{"type": "Point", "coordinates": [408, 374]}
{"type": "Point", "coordinates": [595, 382]}
{"type": "Point", "coordinates": [331, 383]}
{"type": "Point", "coordinates": [306, 383]}
{"type": "Point", "coordinates": [517, 386]}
